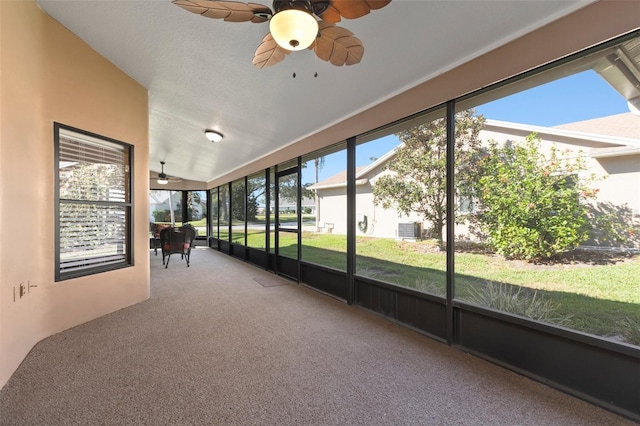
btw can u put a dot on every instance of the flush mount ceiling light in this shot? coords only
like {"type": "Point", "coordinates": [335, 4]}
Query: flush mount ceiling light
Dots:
{"type": "Point", "coordinates": [213, 136]}
{"type": "Point", "coordinates": [294, 26]}
{"type": "Point", "coordinates": [162, 177]}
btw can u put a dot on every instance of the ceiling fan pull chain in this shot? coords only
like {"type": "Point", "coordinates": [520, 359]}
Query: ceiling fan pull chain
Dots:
{"type": "Point", "coordinates": [315, 55]}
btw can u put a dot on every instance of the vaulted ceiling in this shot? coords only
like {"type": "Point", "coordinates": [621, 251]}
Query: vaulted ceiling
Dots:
{"type": "Point", "coordinates": [199, 71]}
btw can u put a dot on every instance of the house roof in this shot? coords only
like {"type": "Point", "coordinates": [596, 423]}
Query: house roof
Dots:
{"type": "Point", "coordinates": [337, 180]}
{"type": "Point", "coordinates": [601, 130]}
{"type": "Point", "coordinates": [626, 125]}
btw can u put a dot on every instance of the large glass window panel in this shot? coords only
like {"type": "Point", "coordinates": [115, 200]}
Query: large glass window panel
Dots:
{"type": "Point", "coordinates": [224, 212]}
{"type": "Point", "coordinates": [286, 220]}
{"type": "Point", "coordinates": [215, 209]}
{"type": "Point", "coordinates": [165, 207]}
{"type": "Point", "coordinates": [552, 216]}
{"type": "Point", "coordinates": [197, 211]}
{"type": "Point", "coordinates": [272, 210]}
{"type": "Point", "coordinates": [256, 210]}
{"type": "Point", "coordinates": [324, 207]}
{"type": "Point", "coordinates": [401, 204]}
{"type": "Point", "coordinates": [288, 244]}
{"type": "Point", "coordinates": [238, 212]}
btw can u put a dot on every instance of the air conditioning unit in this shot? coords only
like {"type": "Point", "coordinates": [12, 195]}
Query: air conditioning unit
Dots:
{"type": "Point", "coordinates": [410, 230]}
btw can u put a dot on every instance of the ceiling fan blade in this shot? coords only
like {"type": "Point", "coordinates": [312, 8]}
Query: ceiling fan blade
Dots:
{"type": "Point", "coordinates": [231, 11]}
{"type": "Point", "coordinates": [269, 53]}
{"type": "Point", "coordinates": [351, 9]}
{"type": "Point", "coordinates": [337, 45]}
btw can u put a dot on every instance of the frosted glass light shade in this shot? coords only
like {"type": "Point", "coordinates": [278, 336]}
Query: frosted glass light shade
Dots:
{"type": "Point", "coordinates": [293, 29]}
{"type": "Point", "coordinates": [162, 181]}
{"type": "Point", "coordinates": [213, 136]}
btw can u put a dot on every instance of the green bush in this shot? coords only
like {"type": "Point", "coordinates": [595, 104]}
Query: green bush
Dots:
{"type": "Point", "coordinates": [162, 215]}
{"type": "Point", "coordinates": [516, 300]}
{"type": "Point", "coordinates": [532, 206]}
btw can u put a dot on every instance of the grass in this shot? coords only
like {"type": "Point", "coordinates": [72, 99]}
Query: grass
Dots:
{"type": "Point", "coordinates": [597, 299]}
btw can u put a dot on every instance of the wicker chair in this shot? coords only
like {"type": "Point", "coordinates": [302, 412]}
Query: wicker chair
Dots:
{"type": "Point", "coordinates": [176, 241]}
{"type": "Point", "coordinates": [157, 228]}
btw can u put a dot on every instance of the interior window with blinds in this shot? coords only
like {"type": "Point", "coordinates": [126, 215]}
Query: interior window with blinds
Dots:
{"type": "Point", "coordinates": [93, 203]}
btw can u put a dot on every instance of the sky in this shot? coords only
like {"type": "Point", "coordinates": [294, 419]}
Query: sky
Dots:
{"type": "Point", "coordinates": [578, 97]}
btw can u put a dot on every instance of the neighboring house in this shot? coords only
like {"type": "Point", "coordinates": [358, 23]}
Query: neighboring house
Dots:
{"type": "Point", "coordinates": [611, 146]}
{"type": "Point", "coordinates": [159, 200]}
{"type": "Point", "coordinates": [287, 205]}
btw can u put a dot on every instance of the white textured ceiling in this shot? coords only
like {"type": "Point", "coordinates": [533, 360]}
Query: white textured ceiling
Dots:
{"type": "Point", "coordinates": [199, 74]}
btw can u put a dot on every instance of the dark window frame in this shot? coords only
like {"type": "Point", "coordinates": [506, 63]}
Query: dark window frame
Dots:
{"type": "Point", "coordinates": [127, 206]}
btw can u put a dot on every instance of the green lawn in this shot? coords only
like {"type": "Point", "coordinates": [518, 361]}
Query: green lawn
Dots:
{"type": "Point", "coordinates": [597, 299]}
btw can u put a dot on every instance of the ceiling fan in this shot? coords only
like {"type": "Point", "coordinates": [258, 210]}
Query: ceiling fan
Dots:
{"type": "Point", "coordinates": [294, 25]}
{"type": "Point", "coordinates": [162, 178]}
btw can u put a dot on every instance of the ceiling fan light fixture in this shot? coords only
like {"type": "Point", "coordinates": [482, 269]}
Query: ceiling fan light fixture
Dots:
{"type": "Point", "coordinates": [213, 136]}
{"type": "Point", "coordinates": [162, 177]}
{"type": "Point", "coordinates": [293, 29]}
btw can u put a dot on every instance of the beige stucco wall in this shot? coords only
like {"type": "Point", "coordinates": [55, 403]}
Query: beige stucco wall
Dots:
{"type": "Point", "coordinates": [622, 185]}
{"type": "Point", "coordinates": [47, 74]}
{"type": "Point", "coordinates": [381, 222]}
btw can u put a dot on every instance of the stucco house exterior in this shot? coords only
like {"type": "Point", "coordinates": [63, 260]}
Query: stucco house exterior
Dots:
{"type": "Point", "coordinates": [611, 146]}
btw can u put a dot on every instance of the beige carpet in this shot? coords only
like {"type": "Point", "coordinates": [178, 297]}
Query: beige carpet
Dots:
{"type": "Point", "coordinates": [225, 343]}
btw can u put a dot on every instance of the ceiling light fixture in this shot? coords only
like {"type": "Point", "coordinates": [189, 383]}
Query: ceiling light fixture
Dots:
{"type": "Point", "coordinates": [293, 26]}
{"type": "Point", "coordinates": [213, 136]}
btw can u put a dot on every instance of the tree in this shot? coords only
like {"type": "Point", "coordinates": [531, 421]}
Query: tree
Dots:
{"type": "Point", "coordinates": [90, 182]}
{"type": "Point", "coordinates": [533, 205]}
{"type": "Point", "coordinates": [196, 209]}
{"type": "Point", "coordinates": [224, 204]}
{"type": "Point", "coordinates": [238, 200]}
{"type": "Point", "coordinates": [255, 190]}
{"type": "Point", "coordinates": [417, 179]}
{"type": "Point", "coordinates": [288, 187]}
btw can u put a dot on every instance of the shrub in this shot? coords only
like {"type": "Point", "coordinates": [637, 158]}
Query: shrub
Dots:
{"type": "Point", "coordinates": [162, 215]}
{"type": "Point", "coordinates": [516, 300]}
{"type": "Point", "coordinates": [532, 206]}
{"type": "Point", "coordinates": [432, 287]}
{"type": "Point", "coordinates": [630, 330]}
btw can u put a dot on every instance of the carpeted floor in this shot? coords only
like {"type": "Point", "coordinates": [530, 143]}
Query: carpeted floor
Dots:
{"type": "Point", "coordinates": [225, 343]}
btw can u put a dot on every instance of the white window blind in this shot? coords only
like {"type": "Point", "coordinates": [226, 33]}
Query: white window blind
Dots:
{"type": "Point", "coordinates": [94, 206]}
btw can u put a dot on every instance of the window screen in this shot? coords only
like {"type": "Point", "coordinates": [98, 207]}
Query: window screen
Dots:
{"type": "Point", "coordinates": [93, 203]}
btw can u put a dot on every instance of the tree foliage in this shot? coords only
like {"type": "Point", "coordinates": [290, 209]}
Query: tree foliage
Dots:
{"type": "Point", "coordinates": [196, 207]}
{"type": "Point", "coordinates": [532, 205]}
{"type": "Point", "coordinates": [90, 182]}
{"type": "Point", "coordinates": [250, 197]}
{"type": "Point", "coordinates": [417, 179]}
